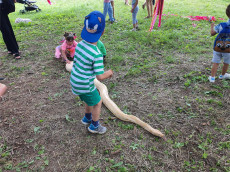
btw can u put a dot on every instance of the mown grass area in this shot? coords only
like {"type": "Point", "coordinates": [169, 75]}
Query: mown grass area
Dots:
{"type": "Point", "coordinates": [159, 76]}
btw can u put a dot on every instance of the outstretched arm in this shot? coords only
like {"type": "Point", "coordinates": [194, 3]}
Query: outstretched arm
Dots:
{"type": "Point", "coordinates": [213, 32]}
{"type": "Point", "coordinates": [3, 89]}
{"type": "Point", "coordinates": [105, 75]}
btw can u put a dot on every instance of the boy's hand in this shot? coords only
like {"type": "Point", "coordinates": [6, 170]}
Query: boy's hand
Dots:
{"type": "Point", "coordinates": [107, 74]}
{"type": "Point", "coordinates": [110, 72]}
{"type": "Point", "coordinates": [132, 10]}
{"type": "Point", "coordinates": [212, 24]}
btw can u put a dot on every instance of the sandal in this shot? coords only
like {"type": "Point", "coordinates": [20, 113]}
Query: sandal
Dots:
{"type": "Point", "coordinates": [147, 17]}
{"type": "Point", "coordinates": [17, 56]}
{"type": "Point", "coordinates": [10, 52]}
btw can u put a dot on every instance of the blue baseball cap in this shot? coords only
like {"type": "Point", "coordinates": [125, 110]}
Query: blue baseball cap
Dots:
{"type": "Point", "coordinates": [94, 25]}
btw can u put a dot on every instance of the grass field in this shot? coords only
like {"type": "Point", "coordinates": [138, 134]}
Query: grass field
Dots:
{"type": "Point", "coordinates": [159, 76]}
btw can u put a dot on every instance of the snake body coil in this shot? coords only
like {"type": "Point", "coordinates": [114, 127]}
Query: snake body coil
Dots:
{"type": "Point", "coordinates": [121, 115]}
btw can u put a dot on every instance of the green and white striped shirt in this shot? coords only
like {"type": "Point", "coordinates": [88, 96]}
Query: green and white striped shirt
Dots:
{"type": "Point", "coordinates": [88, 62]}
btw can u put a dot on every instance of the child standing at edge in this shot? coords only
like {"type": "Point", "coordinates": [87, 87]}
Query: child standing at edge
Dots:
{"type": "Point", "coordinates": [134, 11]}
{"type": "Point", "coordinates": [88, 65]}
{"type": "Point", "coordinates": [217, 56]}
{"type": "Point", "coordinates": [108, 9]}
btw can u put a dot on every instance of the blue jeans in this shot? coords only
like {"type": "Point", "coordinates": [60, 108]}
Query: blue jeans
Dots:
{"type": "Point", "coordinates": [108, 9]}
{"type": "Point", "coordinates": [134, 15]}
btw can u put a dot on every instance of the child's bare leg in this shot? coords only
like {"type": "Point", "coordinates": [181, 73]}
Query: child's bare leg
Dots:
{"type": "Point", "coordinates": [225, 68]}
{"type": "Point", "coordinates": [95, 127]}
{"type": "Point", "coordinates": [95, 110]}
{"type": "Point", "coordinates": [88, 109]}
{"type": "Point", "coordinates": [134, 26]}
{"type": "Point", "coordinates": [214, 69]}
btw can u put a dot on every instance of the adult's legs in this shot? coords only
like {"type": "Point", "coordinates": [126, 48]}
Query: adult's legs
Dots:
{"type": "Point", "coordinates": [105, 11]}
{"type": "Point", "coordinates": [8, 34]}
{"type": "Point", "coordinates": [112, 4]}
{"type": "Point", "coordinates": [134, 16]}
{"type": "Point", "coordinates": [151, 7]}
{"type": "Point", "coordinates": [148, 8]}
{"type": "Point", "coordinates": [149, 4]}
{"type": "Point", "coordinates": [110, 12]}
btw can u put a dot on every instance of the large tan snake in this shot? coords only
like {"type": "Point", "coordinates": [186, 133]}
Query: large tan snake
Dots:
{"type": "Point", "coordinates": [117, 112]}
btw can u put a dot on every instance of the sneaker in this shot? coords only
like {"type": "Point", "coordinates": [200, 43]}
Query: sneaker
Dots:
{"type": "Point", "coordinates": [114, 21]}
{"type": "Point", "coordinates": [85, 121]}
{"type": "Point", "coordinates": [98, 130]}
{"type": "Point", "coordinates": [225, 76]}
{"type": "Point", "coordinates": [133, 30]}
{"type": "Point", "coordinates": [211, 79]}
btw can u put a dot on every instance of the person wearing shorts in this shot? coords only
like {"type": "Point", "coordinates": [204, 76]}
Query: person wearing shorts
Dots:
{"type": "Point", "coordinates": [88, 65]}
{"type": "Point", "coordinates": [218, 56]}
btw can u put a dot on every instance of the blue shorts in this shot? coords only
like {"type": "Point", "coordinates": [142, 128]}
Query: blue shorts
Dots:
{"type": "Point", "coordinates": [217, 56]}
{"type": "Point", "coordinates": [92, 98]}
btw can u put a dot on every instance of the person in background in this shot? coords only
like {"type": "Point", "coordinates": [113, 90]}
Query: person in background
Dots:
{"type": "Point", "coordinates": [6, 7]}
{"type": "Point", "coordinates": [126, 2]}
{"type": "Point", "coordinates": [108, 9]}
{"type": "Point", "coordinates": [150, 4]}
{"type": "Point", "coordinates": [134, 11]}
{"type": "Point", "coordinates": [66, 51]}
{"type": "Point", "coordinates": [112, 4]}
{"type": "Point", "coordinates": [101, 47]}
{"type": "Point", "coordinates": [223, 52]}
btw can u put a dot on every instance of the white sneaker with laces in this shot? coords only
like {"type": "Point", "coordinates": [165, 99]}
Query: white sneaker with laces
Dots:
{"type": "Point", "coordinates": [225, 76]}
{"type": "Point", "coordinates": [211, 79]}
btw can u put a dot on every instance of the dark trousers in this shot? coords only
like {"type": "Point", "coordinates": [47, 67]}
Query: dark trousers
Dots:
{"type": "Point", "coordinates": [7, 32]}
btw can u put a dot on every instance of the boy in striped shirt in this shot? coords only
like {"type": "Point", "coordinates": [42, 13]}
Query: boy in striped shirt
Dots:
{"type": "Point", "coordinates": [88, 65]}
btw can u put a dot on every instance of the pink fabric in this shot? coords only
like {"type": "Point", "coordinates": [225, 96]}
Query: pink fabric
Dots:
{"type": "Point", "coordinates": [58, 52]}
{"type": "Point", "coordinates": [198, 18]}
{"type": "Point", "coordinates": [69, 49]}
{"type": "Point", "coordinates": [49, 2]}
{"type": "Point", "coordinates": [154, 19]}
{"type": "Point", "coordinates": [106, 1]}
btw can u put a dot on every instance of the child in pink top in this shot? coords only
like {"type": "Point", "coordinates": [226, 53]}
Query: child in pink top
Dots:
{"type": "Point", "coordinates": [66, 51]}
